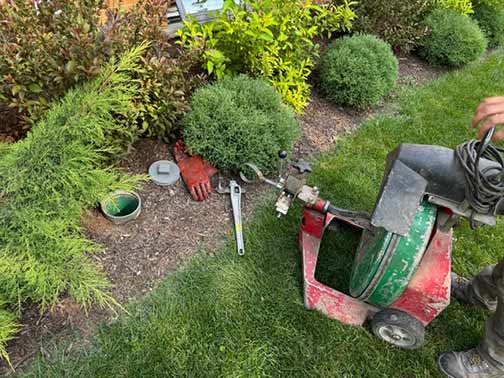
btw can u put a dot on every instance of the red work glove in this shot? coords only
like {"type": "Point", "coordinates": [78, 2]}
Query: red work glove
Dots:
{"type": "Point", "coordinates": [195, 172]}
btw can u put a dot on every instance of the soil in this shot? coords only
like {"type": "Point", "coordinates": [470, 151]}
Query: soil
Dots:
{"type": "Point", "coordinates": [172, 227]}
{"type": "Point", "coordinates": [11, 126]}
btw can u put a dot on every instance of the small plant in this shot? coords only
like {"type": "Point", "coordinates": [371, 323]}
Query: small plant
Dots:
{"type": "Point", "coordinates": [358, 70]}
{"type": "Point", "coordinates": [239, 120]}
{"type": "Point", "coordinates": [48, 178]}
{"type": "Point", "coordinates": [270, 39]}
{"type": "Point", "coordinates": [491, 22]}
{"type": "Point", "coordinates": [464, 7]}
{"type": "Point", "coordinates": [453, 40]}
{"type": "Point", "coordinates": [398, 22]}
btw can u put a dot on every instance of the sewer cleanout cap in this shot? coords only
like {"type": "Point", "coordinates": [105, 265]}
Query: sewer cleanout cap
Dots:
{"type": "Point", "coordinates": [164, 172]}
{"type": "Point", "coordinates": [121, 207]}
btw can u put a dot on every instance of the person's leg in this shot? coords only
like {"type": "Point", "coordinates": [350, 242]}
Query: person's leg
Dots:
{"type": "Point", "coordinates": [481, 290]}
{"type": "Point", "coordinates": [487, 360]}
{"type": "Point", "coordinates": [493, 342]}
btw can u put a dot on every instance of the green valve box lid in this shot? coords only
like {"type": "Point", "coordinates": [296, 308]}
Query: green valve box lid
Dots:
{"type": "Point", "coordinates": [385, 262]}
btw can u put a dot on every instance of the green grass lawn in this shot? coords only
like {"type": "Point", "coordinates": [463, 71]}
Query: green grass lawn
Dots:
{"type": "Point", "coordinates": [228, 316]}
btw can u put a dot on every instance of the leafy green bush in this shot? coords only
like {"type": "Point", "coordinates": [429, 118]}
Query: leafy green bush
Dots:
{"type": "Point", "coordinates": [453, 40]}
{"type": "Point", "coordinates": [48, 178]}
{"type": "Point", "coordinates": [271, 39]}
{"type": "Point", "coordinates": [49, 48]}
{"type": "Point", "coordinates": [491, 22]}
{"type": "Point", "coordinates": [464, 7]}
{"type": "Point", "coordinates": [239, 120]}
{"type": "Point", "coordinates": [398, 22]}
{"type": "Point", "coordinates": [495, 4]}
{"type": "Point", "coordinates": [358, 70]}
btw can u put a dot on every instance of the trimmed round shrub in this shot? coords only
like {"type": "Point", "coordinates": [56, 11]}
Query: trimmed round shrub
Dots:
{"type": "Point", "coordinates": [454, 39]}
{"type": "Point", "coordinates": [491, 22]}
{"type": "Point", "coordinates": [239, 120]}
{"type": "Point", "coordinates": [358, 70]}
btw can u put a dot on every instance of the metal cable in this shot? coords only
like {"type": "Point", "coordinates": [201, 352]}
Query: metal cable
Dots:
{"type": "Point", "coordinates": [484, 186]}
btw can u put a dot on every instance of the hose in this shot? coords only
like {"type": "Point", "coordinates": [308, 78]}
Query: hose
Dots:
{"type": "Point", "coordinates": [484, 186]}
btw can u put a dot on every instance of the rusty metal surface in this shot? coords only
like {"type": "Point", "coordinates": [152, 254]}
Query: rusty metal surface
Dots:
{"type": "Point", "coordinates": [317, 296]}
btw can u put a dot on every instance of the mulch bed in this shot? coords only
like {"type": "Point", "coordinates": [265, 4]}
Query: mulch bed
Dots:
{"type": "Point", "coordinates": [172, 227]}
{"type": "Point", "coordinates": [11, 127]}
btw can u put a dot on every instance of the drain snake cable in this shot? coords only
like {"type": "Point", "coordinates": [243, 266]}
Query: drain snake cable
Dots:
{"type": "Point", "coordinates": [484, 187]}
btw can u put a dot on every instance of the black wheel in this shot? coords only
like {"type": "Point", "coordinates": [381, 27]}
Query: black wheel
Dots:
{"type": "Point", "coordinates": [398, 328]}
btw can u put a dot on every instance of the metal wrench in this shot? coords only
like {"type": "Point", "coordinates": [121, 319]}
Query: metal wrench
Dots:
{"type": "Point", "coordinates": [235, 191]}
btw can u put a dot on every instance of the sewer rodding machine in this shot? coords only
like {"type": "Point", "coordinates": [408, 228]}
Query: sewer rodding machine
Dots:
{"type": "Point", "coordinates": [400, 279]}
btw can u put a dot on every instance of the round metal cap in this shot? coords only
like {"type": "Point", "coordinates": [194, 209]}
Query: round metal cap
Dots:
{"type": "Point", "coordinates": [164, 172]}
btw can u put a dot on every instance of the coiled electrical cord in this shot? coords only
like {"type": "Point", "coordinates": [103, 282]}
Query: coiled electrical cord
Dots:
{"type": "Point", "coordinates": [484, 186]}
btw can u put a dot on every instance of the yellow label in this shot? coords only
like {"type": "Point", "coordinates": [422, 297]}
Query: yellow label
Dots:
{"type": "Point", "coordinates": [238, 227]}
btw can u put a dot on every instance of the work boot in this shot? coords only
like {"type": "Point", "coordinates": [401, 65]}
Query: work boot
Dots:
{"type": "Point", "coordinates": [468, 364]}
{"type": "Point", "coordinates": [460, 289]}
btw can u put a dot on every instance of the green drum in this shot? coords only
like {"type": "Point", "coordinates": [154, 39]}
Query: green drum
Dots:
{"type": "Point", "coordinates": [385, 262]}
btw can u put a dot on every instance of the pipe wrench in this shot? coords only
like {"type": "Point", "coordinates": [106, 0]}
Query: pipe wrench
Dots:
{"type": "Point", "coordinates": [235, 191]}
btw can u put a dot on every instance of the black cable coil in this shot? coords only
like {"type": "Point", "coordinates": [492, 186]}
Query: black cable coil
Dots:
{"type": "Point", "coordinates": [484, 186]}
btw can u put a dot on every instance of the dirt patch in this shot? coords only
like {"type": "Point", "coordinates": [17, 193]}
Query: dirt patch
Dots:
{"type": "Point", "coordinates": [11, 126]}
{"type": "Point", "coordinates": [413, 70]}
{"type": "Point", "coordinates": [173, 227]}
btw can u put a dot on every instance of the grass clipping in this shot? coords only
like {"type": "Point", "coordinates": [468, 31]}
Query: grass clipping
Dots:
{"type": "Point", "coordinates": [47, 180]}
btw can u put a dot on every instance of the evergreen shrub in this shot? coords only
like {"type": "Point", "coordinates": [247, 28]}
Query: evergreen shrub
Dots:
{"type": "Point", "coordinates": [491, 22]}
{"type": "Point", "coordinates": [47, 180]}
{"type": "Point", "coordinates": [453, 39]}
{"type": "Point", "coordinates": [358, 71]}
{"type": "Point", "coordinates": [239, 120]}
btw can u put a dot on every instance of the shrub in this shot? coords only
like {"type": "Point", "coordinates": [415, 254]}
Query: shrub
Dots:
{"type": "Point", "coordinates": [491, 22]}
{"type": "Point", "coordinates": [495, 4]}
{"type": "Point", "coordinates": [358, 71]}
{"type": "Point", "coordinates": [239, 120]}
{"type": "Point", "coordinates": [464, 7]}
{"type": "Point", "coordinates": [55, 45]}
{"type": "Point", "coordinates": [453, 40]}
{"type": "Point", "coordinates": [398, 22]}
{"type": "Point", "coordinates": [48, 178]}
{"type": "Point", "coordinates": [8, 327]}
{"type": "Point", "coordinates": [272, 39]}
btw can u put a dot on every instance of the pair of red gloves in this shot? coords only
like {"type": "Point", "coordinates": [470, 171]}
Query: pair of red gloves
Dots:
{"type": "Point", "coordinates": [195, 172]}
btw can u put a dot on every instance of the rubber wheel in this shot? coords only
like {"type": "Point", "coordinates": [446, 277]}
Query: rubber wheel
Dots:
{"type": "Point", "coordinates": [398, 328]}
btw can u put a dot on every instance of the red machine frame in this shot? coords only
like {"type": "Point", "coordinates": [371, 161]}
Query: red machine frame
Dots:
{"type": "Point", "coordinates": [426, 296]}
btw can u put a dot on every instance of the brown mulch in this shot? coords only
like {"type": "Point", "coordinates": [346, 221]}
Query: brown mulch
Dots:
{"type": "Point", "coordinates": [11, 127]}
{"type": "Point", "coordinates": [172, 227]}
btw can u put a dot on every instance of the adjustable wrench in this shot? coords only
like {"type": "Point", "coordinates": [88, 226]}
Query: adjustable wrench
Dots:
{"type": "Point", "coordinates": [235, 191]}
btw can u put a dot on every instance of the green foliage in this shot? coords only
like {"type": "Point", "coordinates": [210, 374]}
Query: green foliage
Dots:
{"type": "Point", "coordinates": [464, 7]}
{"type": "Point", "coordinates": [271, 39]}
{"type": "Point", "coordinates": [8, 327]}
{"type": "Point", "coordinates": [49, 48]}
{"type": "Point", "coordinates": [398, 22]}
{"type": "Point", "coordinates": [48, 178]}
{"type": "Point", "coordinates": [491, 22]}
{"type": "Point", "coordinates": [239, 120]}
{"type": "Point", "coordinates": [453, 39]}
{"type": "Point", "coordinates": [229, 316]}
{"type": "Point", "coordinates": [495, 4]}
{"type": "Point", "coordinates": [358, 70]}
